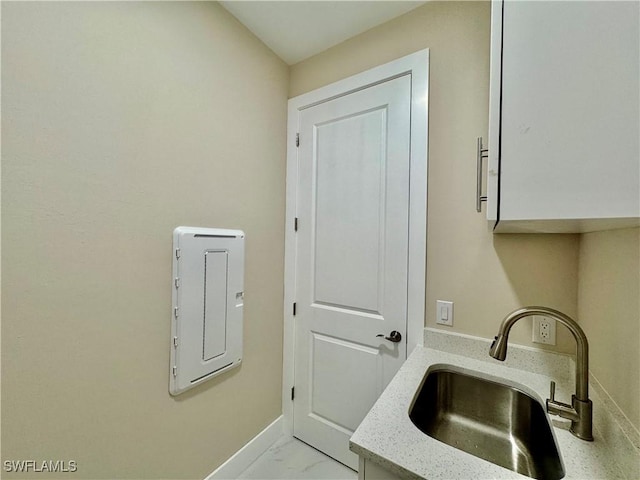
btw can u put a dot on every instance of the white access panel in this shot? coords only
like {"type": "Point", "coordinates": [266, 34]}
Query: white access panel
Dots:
{"type": "Point", "coordinates": [206, 316]}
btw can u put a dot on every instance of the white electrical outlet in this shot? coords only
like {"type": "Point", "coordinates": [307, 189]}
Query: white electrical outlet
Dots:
{"type": "Point", "coordinates": [544, 330]}
{"type": "Point", "coordinates": [444, 313]}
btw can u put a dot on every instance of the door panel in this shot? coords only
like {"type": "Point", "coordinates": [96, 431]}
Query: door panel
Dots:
{"type": "Point", "coordinates": [349, 203]}
{"type": "Point", "coordinates": [330, 387]}
{"type": "Point", "coordinates": [351, 269]}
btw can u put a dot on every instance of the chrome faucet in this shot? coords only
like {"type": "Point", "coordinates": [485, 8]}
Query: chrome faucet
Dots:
{"type": "Point", "coordinates": [580, 412]}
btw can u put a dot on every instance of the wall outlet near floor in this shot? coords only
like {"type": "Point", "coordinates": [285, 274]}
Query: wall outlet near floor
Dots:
{"type": "Point", "coordinates": [544, 330]}
{"type": "Point", "coordinates": [444, 313]}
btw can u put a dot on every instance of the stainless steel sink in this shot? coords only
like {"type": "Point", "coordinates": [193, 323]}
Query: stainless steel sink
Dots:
{"type": "Point", "coordinates": [489, 419]}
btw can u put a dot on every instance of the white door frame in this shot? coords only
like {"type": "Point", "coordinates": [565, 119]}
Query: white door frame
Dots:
{"type": "Point", "coordinates": [416, 64]}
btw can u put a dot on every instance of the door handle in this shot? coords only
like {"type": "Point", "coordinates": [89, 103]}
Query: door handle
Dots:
{"type": "Point", "coordinates": [395, 336]}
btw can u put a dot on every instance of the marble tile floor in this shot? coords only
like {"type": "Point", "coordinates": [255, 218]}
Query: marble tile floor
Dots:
{"type": "Point", "coordinates": [291, 459]}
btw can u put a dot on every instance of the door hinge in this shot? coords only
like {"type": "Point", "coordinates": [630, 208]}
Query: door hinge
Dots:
{"type": "Point", "coordinates": [174, 370]}
{"type": "Point", "coordinates": [176, 311]}
{"type": "Point", "coordinates": [294, 308]}
{"type": "Point", "coordinates": [177, 253]}
{"type": "Point", "coordinates": [295, 224]}
{"type": "Point", "coordinates": [177, 282]}
{"type": "Point", "coordinates": [293, 393]}
{"type": "Point", "coordinates": [175, 342]}
{"type": "Point", "coordinates": [297, 139]}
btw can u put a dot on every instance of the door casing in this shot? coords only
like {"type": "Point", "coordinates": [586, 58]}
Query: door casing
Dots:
{"type": "Point", "coordinates": [417, 64]}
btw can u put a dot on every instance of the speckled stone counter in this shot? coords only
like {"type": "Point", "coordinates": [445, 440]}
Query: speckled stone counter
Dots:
{"type": "Point", "coordinates": [387, 437]}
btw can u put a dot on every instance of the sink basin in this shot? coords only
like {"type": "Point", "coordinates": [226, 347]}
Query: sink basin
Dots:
{"type": "Point", "coordinates": [497, 422]}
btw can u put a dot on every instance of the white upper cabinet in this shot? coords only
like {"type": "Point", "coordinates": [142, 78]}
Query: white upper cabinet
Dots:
{"type": "Point", "coordinates": [564, 116]}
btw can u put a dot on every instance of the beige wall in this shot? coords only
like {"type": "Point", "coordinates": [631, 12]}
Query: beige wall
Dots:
{"type": "Point", "coordinates": [486, 276]}
{"type": "Point", "coordinates": [122, 121]}
{"type": "Point", "coordinates": [609, 312]}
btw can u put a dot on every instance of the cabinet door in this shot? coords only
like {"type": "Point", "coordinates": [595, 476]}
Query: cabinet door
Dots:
{"type": "Point", "coordinates": [371, 471]}
{"type": "Point", "coordinates": [569, 144]}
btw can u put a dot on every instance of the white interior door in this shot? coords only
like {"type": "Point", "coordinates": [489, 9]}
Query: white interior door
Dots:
{"type": "Point", "coordinates": [351, 259]}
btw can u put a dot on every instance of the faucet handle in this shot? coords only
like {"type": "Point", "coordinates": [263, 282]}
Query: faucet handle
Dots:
{"type": "Point", "coordinates": [552, 393]}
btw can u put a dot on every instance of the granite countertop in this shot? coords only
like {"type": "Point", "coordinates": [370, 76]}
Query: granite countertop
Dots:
{"type": "Point", "coordinates": [388, 437]}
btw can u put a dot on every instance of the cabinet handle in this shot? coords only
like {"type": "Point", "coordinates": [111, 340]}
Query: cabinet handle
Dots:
{"type": "Point", "coordinates": [481, 152]}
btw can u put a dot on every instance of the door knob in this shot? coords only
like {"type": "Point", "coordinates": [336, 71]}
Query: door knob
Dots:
{"type": "Point", "coordinates": [395, 336]}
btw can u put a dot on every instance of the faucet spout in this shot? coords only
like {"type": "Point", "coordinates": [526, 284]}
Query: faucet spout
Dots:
{"type": "Point", "coordinates": [580, 411]}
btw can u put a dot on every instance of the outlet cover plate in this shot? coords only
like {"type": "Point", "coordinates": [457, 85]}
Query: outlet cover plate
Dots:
{"type": "Point", "coordinates": [544, 330]}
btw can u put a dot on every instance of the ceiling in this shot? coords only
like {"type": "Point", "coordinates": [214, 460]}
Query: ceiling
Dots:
{"type": "Point", "coordinates": [296, 30]}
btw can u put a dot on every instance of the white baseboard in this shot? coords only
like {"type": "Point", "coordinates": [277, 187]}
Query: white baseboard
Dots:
{"type": "Point", "coordinates": [240, 461]}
